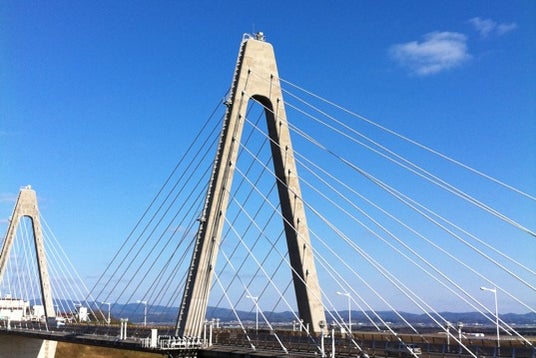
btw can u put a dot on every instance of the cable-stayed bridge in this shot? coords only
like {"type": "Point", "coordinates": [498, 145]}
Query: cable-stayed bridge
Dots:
{"type": "Point", "coordinates": [288, 202]}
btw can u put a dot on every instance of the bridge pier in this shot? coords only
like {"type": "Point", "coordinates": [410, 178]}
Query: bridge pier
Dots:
{"type": "Point", "coordinates": [22, 347]}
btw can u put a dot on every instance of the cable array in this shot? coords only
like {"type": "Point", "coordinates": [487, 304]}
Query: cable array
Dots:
{"type": "Point", "coordinates": [395, 226]}
{"type": "Point", "coordinates": [388, 229]}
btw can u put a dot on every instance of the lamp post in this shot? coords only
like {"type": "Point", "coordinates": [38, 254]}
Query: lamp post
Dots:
{"type": "Point", "coordinates": [255, 299]}
{"type": "Point", "coordinates": [494, 290]}
{"type": "Point", "coordinates": [144, 303]}
{"type": "Point", "coordinates": [447, 326]}
{"type": "Point", "coordinates": [109, 308]}
{"type": "Point", "coordinates": [333, 325]}
{"type": "Point", "coordinates": [460, 326]}
{"type": "Point", "coordinates": [349, 310]}
{"type": "Point", "coordinates": [322, 324]}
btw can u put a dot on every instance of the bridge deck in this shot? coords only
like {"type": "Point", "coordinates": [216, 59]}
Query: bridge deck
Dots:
{"type": "Point", "coordinates": [232, 342]}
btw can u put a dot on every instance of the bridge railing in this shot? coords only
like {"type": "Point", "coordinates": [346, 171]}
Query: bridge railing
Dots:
{"type": "Point", "coordinates": [173, 343]}
{"type": "Point", "coordinates": [371, 343]}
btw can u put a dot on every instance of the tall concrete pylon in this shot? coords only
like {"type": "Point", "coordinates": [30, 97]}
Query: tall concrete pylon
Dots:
{"type": "Point", "coordinates": [255, 77]}
{"type": "Point", "coordinates": [26, 206]}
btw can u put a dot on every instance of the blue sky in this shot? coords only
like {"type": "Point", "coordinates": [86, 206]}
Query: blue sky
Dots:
{"type": "Point", "coordinates": [98, 99]}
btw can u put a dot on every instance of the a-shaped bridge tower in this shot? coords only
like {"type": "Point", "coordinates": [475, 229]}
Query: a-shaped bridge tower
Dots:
{"type": "Point", "coordinates": [26, 206]}
{"type": "Point", "coordinates": [255, 77]}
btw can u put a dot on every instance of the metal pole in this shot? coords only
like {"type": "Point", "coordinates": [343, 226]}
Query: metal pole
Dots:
{"type": "Point", "coordinates": [460, 325]}
{"type": "Point", "coordinates": [448, 336]}
{"type": "Point", "coordinates": [210, 333]}
{"type": "Point", "coordinates": [255, 299]}
{"type": "Point", "coordinates": [109, 308]}
{"type": "Point", "coordinates": [349, 310]}
{"type": "Point", "coordinates": [332, 341]}
{"type": "Point", "coordinates": [497, 323]}
{"type": "Point", "coordinates": [494, 290]}
{"type": "Point", "coordinates": [322, 324]}
{"type": "Point", "coordinates": [349, 314]}
{"type": "Point", "coordinates": [144, 312]}
{"type": "Point", "coordinates": [322, 344]}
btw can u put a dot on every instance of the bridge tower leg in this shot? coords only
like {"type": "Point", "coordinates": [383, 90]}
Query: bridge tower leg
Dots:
{"type": "Point", "coordinates": [26, 206]}
{"type": "Point", "coordinates": [256, 78]}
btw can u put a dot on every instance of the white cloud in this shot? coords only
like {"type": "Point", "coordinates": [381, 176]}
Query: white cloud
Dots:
{"type": "Point", "coordinates": [483, 26]}
{"type": "Point", "coordinates": [438, 51]}
{"type": "Point", "coordinates": [504, 28]}
{"type": "Point", "coordinates": [487, 27]}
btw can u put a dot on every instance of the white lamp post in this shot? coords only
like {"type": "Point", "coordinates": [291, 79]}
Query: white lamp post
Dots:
{"type": "Point", "coordinates": [255, 299]}
{"type": "Point", "coordinates": [460, 326]}
{"type": "Point", "coordinates": [144, 303]}
{"type": "Point", "coordinates": [349, 309]}
{"type": "Point", "coordinates": [447, 326]}
{"type": "Point", "coordinates": [322, 324]}
{"type": "Point", "coordinates": [109, 308]}
{"type": "Point", "coordinates": [333, 325]}
{"type": "Point", "coordinates": [494, 290]}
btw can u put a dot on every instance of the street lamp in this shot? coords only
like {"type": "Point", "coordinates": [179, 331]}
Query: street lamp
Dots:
{"type": "Point", "coordinates": [494, 290]}
{"type": "Point", "coordinates": [255, 300]}
{"type": "Point", "coordinates": [109, 308]}
{"type": "Point", "coordinates": [447, 326]}
{"type": "Point", "coordinates": [322, 324]}
{"type": "Point", "coordinates": [349, 309]}
{"type": "Point", "coordinates": [144, 303]}
{"type": "Point", "coordinates": [460, 326]}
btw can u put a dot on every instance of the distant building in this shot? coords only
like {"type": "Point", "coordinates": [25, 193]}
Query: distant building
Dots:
{"type": "Point", "coordinates": [83, 315]}
{"type": "Point", "coordinates": [38, 313]}
{"type": "Point", "coordinates": [14, 309]}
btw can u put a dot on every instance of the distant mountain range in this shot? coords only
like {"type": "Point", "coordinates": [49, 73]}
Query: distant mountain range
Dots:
{"type": "Point", "coordinates": [158, 314]}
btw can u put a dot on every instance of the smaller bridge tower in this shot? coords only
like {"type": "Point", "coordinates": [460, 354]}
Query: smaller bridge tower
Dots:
{"type": "Point", "coordinates": [26, 206]}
